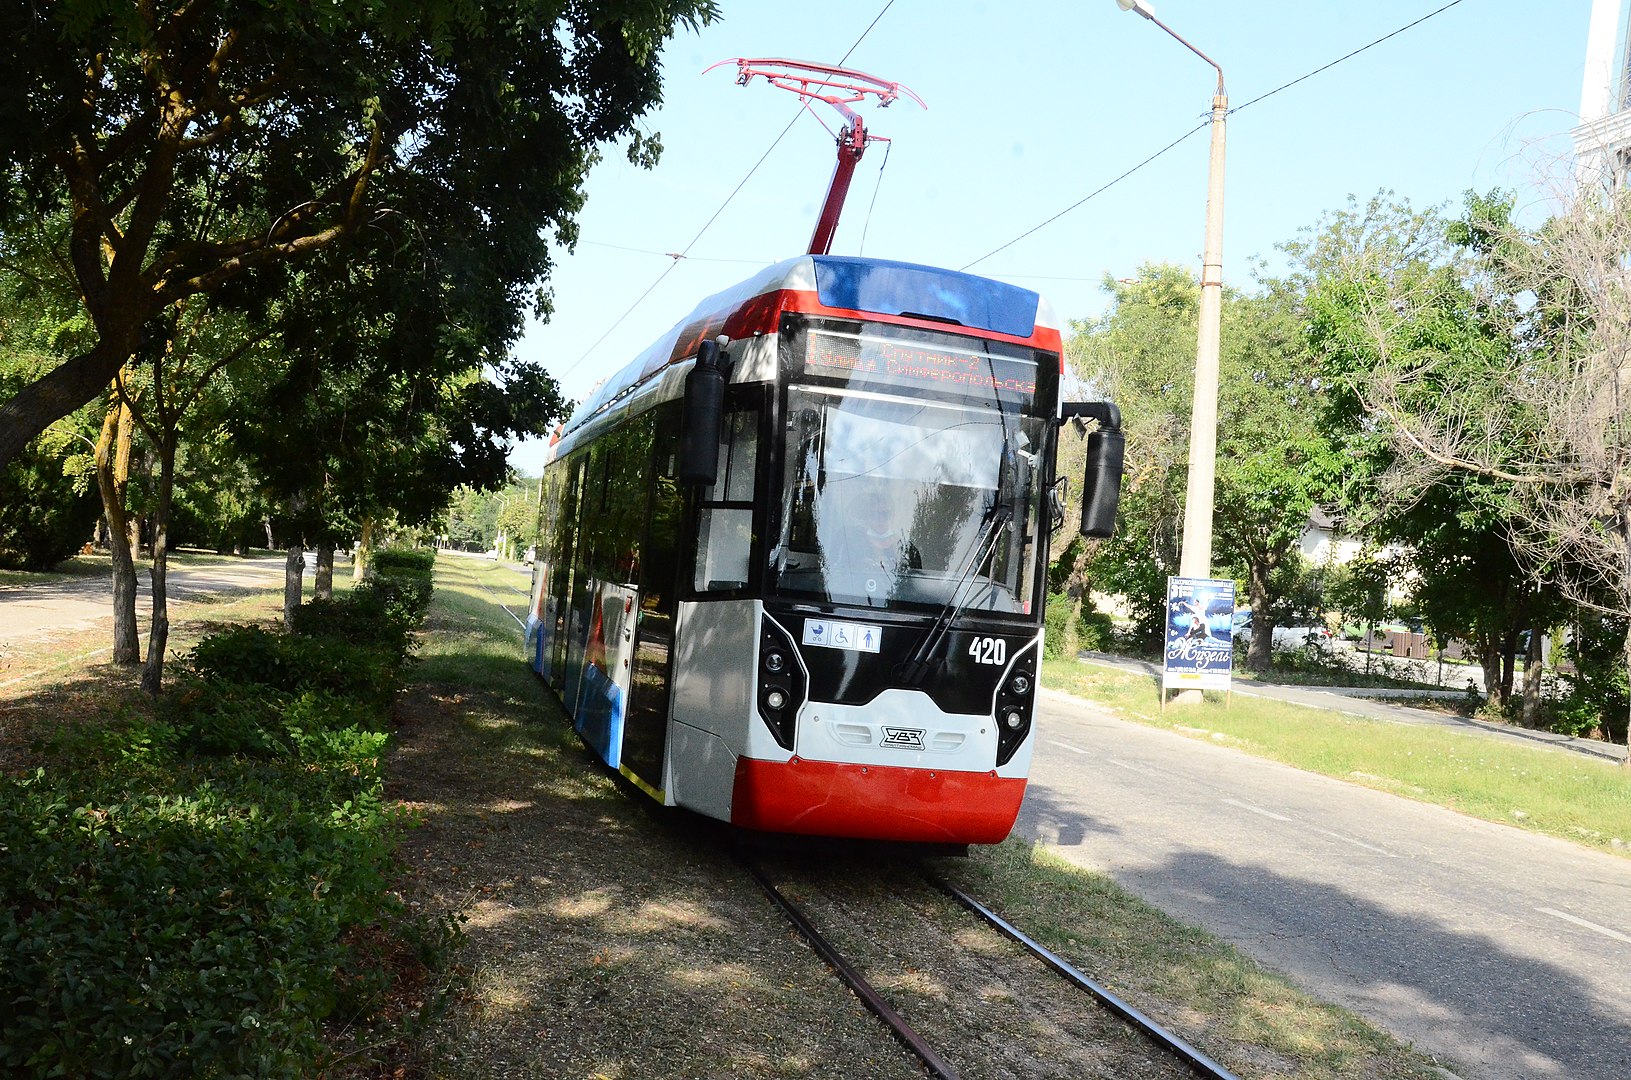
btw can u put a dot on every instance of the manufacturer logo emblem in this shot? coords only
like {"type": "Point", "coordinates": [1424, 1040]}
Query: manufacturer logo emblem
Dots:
{"type": "Point", "coordinates": [903, 738]}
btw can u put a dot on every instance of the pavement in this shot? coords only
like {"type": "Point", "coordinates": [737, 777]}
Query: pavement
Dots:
{"type": "Point", "coordinates": [1357, 701]}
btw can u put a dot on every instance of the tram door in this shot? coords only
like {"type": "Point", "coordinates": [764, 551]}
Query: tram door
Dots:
{"type": "Point", "coordinates": [645, 731]}
{"type": "Point", "coordinates": [605, 587]}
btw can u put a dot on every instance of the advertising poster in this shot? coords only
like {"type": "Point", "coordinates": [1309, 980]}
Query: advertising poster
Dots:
{"type": "Point", "coordinates": [1200, 634]}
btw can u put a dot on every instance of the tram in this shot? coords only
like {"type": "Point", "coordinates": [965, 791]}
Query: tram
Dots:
{"type": "Point", "coordinates": [791, 562]}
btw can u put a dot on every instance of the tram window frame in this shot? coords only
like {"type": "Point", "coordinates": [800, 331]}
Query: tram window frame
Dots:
{"type": "Point", "coordinates": [736, 516]}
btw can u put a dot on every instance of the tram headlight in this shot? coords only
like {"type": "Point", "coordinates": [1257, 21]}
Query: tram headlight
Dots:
{"type": "Point", "coordinates": [782, 682]}
{"type": "Point", "coordinates": [1020, 685]}
{"type": "Point", "coordinates": [1013, 718]}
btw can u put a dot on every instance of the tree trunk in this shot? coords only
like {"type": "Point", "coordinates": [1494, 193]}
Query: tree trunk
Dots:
{"type": "Point", "coordinates": [1534, 668]}
{"type": "Point", "coordinates": [1260, 653]}
{"type": "Point", "coordinates": [1509, 663]}
{"type": "Point", "coordinates": [112, 476]}
{"type": "Point", "coordinates": [364, 548]}
{"type": "Point", "coordinates": [64, 388]}
{"type": "Point", "coordinates": [323, 579]}
{"type": "Point", "coordinates": [293, 572]}
{"type": "Point", "coordinates": [1489, 655]}
{"type": "Point", "coordinates": [158, 630]}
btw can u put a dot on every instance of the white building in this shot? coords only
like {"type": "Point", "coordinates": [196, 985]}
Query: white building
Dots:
{"type": "Point", "coordinates": [1602, 142]}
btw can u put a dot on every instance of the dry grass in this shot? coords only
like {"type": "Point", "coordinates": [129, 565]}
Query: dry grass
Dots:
{"type": "Point", "coordinates": [607, 938]}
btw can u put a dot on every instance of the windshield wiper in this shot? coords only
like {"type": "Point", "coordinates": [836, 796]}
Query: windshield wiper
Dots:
{"type": "Point", "coordinates": [997, 515]}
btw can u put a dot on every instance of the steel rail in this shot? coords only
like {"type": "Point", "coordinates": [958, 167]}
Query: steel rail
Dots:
{"type": "Point", "coordinates": [1195, 1059]}
{"type": "Point", "coordinates": [904, 1032]}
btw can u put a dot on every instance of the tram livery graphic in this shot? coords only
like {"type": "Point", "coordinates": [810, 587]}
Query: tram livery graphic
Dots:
{"type": "Point", "coordinates": [791, 565]}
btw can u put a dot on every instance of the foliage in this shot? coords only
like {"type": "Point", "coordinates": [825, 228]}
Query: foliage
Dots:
{"type": "Point", "coordinates": [1072, 625]}
{"type": "Point", "coordinates": [156, 928]}
{"type": "Point", "coordinates": [1272, 463]}
{"type": "Point", "coordinates": [208, 148]}
{"type": "Point", "coordinates": [1598, 699]}
{"type": "Point", "coordinates": [46, 512]}
{"type": "Point", "coordinates": [402, 580]}
{"type": "Point", "coordinates": [293, 663]}
{"type": "Point", "coordinates": [204, 892]}
{"type": "Point", "coordinates": [48, 504]}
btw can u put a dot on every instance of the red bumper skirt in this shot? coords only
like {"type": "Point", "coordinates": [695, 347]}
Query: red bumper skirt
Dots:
{"type": "Point", "coordinates": [875, 802]}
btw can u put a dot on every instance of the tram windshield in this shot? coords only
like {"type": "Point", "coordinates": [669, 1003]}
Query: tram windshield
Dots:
{"type": "Point", "coordinates": [898, 502]}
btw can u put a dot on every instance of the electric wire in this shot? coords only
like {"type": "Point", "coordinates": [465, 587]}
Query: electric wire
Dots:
{"type": "Point", "coordinates": [671, 254]}
{"type": "Point", "coordinates": [1090, 195]}
{"type": "Point", "coordinates": [685, 252]}
{"type": "Point", "coordinates": [1205, 124]}
{"type": "Point", "coordinates": [867, 224]}
{"type": "Point", "coordinates": [1349, 56]}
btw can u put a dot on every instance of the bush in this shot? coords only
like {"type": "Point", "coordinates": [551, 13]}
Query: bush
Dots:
{"type": "Point", "coordinates": [200, 892]}
{"type": "Point", "coordinates": [291, 663]}
{"type": "Point", "coordinates": [233, 719]}
{"type": "Point", "coordinates": [1067, 636]}
{"type": "Point", "coordinates": [1599, 689]}
{"type": "Point", "coordinates": [43, 519]}
{"type": "Point", "coordinates": [1060, 637]}
{"type": "Point", "coordinates": [403, 578]}
{"type": "Point", "coordinates": [184, 922]}
{"type": "Point", "coordinates": [362, 617]}
{"type": "Point", "coordinates": [1096, 631]}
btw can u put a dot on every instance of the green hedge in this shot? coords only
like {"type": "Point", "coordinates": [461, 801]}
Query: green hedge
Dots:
{"type": "Point", "coordinates": [189, 894]}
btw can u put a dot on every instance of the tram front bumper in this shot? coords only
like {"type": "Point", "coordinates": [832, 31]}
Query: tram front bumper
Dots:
{"type": "Point", "coordinates": [875, 802]}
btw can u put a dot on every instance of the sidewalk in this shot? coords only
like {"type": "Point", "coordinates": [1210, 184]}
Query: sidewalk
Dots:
{"type": "Point", "coordinates": [1356, 701]}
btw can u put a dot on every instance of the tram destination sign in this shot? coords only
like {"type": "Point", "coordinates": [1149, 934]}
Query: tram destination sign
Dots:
{"type": "Point", "coordinates": [894, 361]}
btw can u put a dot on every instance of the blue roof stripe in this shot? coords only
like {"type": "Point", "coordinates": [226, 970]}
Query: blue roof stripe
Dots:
{"type": "Point", "coordinates": [896, 288]}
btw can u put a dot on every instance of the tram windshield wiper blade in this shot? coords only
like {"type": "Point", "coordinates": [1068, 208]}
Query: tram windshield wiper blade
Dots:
{"type": "Point", "coordinates": [1001, 511]}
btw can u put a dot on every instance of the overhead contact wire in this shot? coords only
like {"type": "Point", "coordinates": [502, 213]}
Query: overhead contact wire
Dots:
{"type": "Point", "coordinates": [684, 252]}
{"type": "Point", "coordinates": [1285, 86]}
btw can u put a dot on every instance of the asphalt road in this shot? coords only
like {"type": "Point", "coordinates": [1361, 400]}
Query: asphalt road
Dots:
{"type": "Point", "coordinates": [32, 611]}
{"type": "Point", "coordinates": [1505, 952]}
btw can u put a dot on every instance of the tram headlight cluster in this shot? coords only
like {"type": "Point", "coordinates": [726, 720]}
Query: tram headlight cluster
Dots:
{"type": "Point", "coordinates": [1015, 702]}
{"type": "Point", "coordinates": [781, 683]}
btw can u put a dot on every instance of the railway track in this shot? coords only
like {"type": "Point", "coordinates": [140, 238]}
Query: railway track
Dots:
{"type": "Point", "coordinates": [1167, 1053]}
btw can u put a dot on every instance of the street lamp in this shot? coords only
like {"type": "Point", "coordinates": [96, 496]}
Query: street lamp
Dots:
{"type": "Point", "coordinates": [1195, 560]}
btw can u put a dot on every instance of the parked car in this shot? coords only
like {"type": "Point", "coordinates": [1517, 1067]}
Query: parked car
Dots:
{"type": "Point", "coordinates": [1285, 637]}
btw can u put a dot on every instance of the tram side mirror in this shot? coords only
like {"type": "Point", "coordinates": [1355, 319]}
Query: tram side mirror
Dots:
{"type": "Point", "coordinates": [702, 425]}
{"type": "Point", "coordinates": [1101, 487]}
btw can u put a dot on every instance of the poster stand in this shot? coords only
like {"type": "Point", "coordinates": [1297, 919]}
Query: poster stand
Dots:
{"type": "Point", "coordinates": [1200, 639]}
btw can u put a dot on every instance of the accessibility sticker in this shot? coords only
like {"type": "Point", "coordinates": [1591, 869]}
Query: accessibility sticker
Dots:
{"type": "Point", "coordinates": [835, 634]}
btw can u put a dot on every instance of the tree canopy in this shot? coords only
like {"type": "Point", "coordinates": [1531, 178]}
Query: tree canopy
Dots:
{"type": "Point", "coordinates": [203, 147]}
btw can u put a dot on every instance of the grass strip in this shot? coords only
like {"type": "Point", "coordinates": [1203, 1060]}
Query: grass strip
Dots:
{"type": "Point", "coordinates": [1253, 1020]}
{"type": "Point", "coordinates": [1557, 793]}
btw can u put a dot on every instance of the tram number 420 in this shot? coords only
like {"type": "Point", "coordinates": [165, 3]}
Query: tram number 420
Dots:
{"type": "Point", "coordinates": [989, 650]}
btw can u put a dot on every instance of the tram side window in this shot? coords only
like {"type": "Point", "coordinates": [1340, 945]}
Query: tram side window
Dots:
{"type": "Point", "coordinates": [725, 511]}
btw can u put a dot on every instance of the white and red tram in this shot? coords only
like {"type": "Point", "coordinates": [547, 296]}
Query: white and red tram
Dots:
{"type": "Point", "coordinates": [795, 581]}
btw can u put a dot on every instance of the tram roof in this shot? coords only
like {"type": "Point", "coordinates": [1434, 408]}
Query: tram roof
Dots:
{"type": "Point", "coordinates": [838, 283]}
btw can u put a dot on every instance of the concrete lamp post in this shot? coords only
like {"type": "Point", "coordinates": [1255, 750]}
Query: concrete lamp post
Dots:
{"type": "Point", "coordinates": [1195, 559]}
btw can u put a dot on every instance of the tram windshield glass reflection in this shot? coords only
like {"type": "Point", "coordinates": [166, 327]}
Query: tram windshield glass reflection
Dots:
{"type": "Point", "coordinates": [889, 501]}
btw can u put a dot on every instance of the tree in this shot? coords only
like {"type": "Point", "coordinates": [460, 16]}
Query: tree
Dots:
{"type": "Point", "coordinates": [297, 128]}
{"type": "Point", "coordinates": [1272, 460]}
{"type": "Point", "coordinates": [1452, 531]}
{"type": "Point", "coordinates": [1140, 354]}
{"type": "Point", "coordinates": [1532, 410]}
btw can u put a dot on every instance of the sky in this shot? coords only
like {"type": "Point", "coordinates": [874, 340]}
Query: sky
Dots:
{"type": "Point", "coordinates": [1032, 106]}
